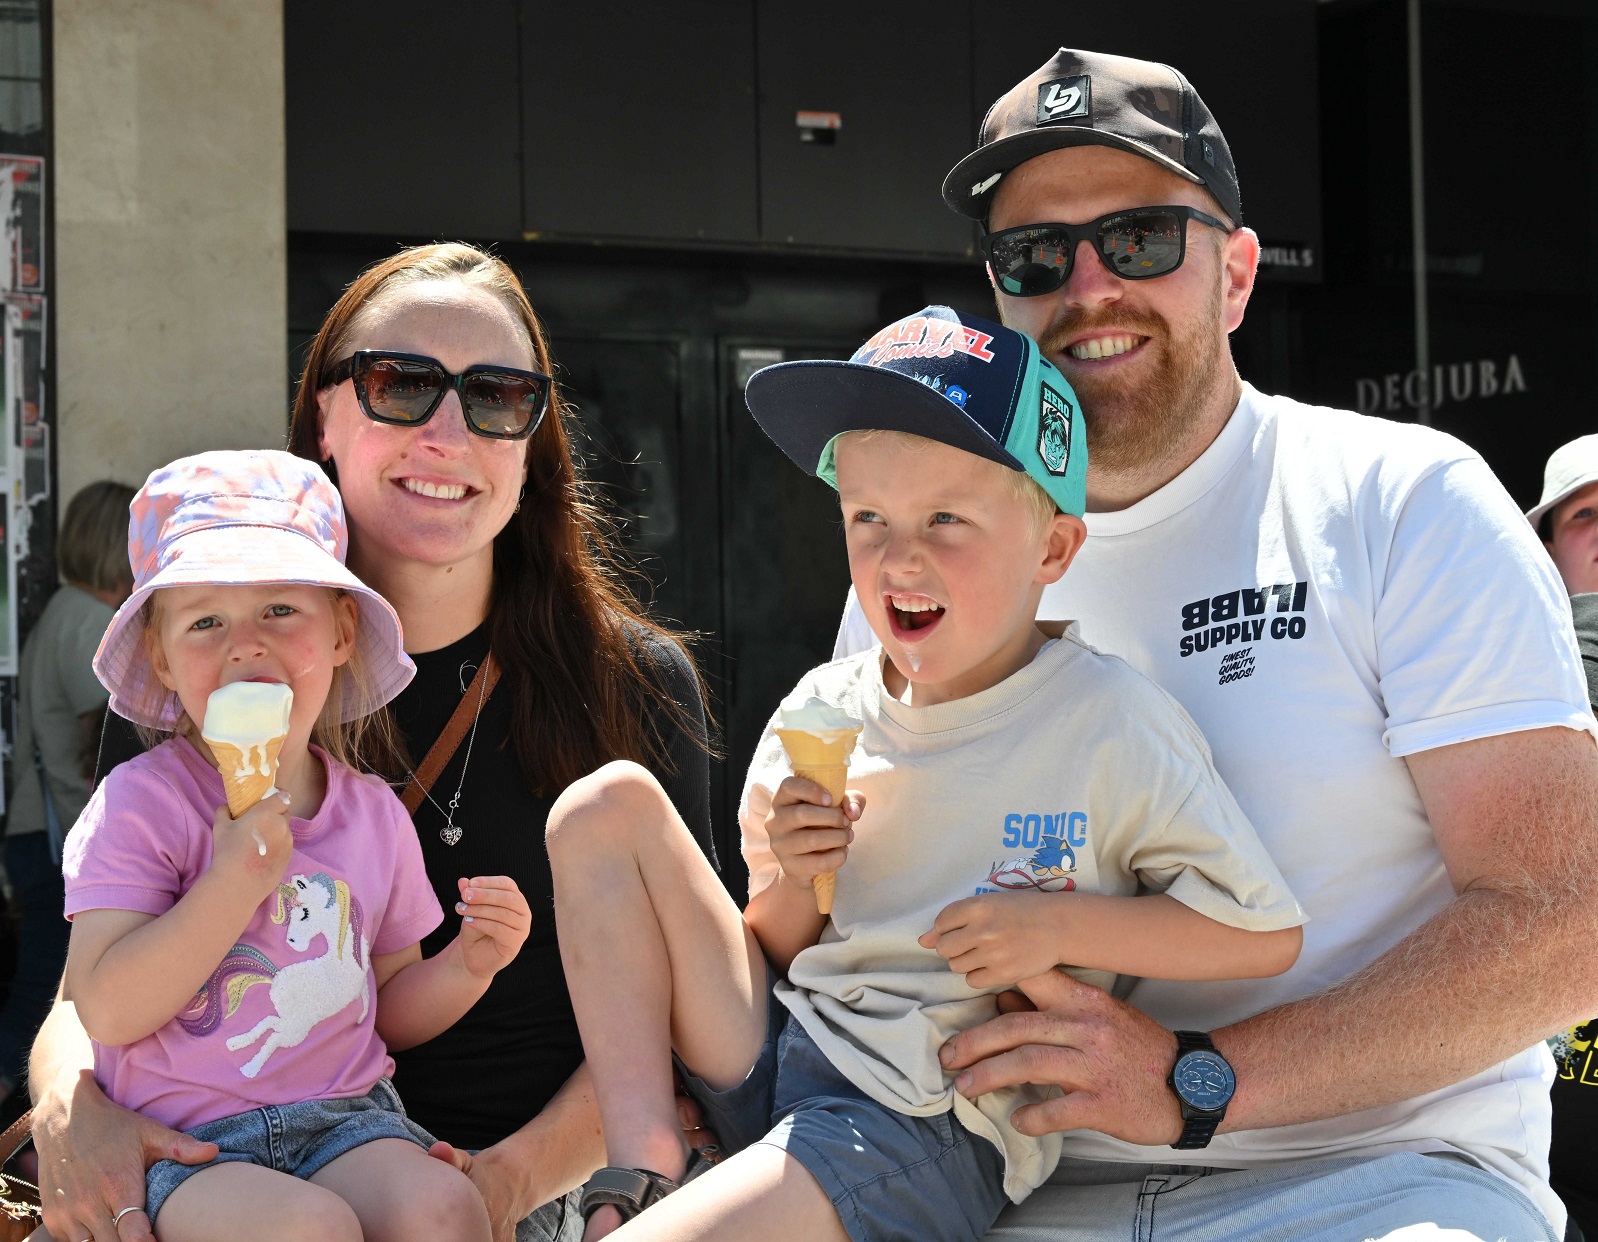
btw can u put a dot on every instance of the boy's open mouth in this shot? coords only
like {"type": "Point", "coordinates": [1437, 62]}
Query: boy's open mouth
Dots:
{"type": "Point", "coordinates": [912, 616]}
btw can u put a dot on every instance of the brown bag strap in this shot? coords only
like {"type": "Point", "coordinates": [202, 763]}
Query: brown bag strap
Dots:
{"type": "Point", "coordinates": [450, 739]}
{"type": "Point", "coordinates": [15, 1136]}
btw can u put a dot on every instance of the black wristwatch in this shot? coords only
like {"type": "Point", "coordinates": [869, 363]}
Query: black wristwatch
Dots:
{"type": "Point", "coordinates": [1204, 1084]}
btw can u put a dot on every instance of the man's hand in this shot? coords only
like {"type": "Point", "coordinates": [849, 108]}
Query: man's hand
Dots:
{"type": "Point", "coordinates": [997, 939]}
{"type": "Point", "coordinates": [92, 1160]}
{"type": "Point", "coordinates": [495, 925]}
{"type": "Point", "coordinates": [808, 835]}
{"type": "Point", "coordinates": [1109, 1059]}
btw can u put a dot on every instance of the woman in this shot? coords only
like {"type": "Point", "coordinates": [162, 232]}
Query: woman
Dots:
{"type": "Point", "coordinates": [426, 397]}
{"type": "Point", "coordinates": [60, 708]}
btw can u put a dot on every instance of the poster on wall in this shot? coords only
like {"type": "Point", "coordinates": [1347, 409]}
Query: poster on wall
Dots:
{"type": "Point", "coordinates": [21, 224]}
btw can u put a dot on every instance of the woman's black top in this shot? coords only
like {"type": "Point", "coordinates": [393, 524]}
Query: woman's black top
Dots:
{"type": "Point", "coordinates": [491, 1073]}
{"type": "Point", "coordinates": [494, 1070]}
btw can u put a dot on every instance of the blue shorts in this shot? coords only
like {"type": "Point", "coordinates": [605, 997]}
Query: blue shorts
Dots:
{"type": "Point", "coordinates": [299, 1139]}
{"type": "Point", "coordinates": [889, 1175]}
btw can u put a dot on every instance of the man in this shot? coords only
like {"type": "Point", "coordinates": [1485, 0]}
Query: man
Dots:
{"type": "Point", "coordinates": [1363, 625]}
{"type": "Point", "coordinates": [1566, 520]}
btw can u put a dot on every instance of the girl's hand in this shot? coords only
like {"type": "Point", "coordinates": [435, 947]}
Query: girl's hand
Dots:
{"type": "Point", "coordinates": [497, 922]}
{"type": "Point", "coordinates": [809, 836]}
{"type": "Point", "coordinates": [238, 844]}
{"type": "Point", "coordinates": [997, 939]}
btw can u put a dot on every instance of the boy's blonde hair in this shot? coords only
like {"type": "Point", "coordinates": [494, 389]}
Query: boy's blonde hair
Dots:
{"type": "Point", "coordinates": [1019, 483]}
{"type": "Point", "coordinates": [353, 743]}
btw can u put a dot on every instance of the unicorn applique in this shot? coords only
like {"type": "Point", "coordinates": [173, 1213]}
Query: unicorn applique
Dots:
{"type": "Point", "coordinates": [1046, 870]}
{"type": "Point", "coordinates": [303, 993]}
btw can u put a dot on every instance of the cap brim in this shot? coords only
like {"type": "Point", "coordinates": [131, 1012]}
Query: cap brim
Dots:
{"type": "Point", "coordinates": [998, 158]}
{"type": "Point", "coordinates": [1535, 515]}
{"type": "Point", "coordinates": [240, 554]}
{"type": "Point", "coordinates": [803, 405]}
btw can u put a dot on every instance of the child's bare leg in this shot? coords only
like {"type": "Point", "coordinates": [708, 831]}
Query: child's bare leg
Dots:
{"type": "Point", "coordinates": [760, 1193]}
{"type": "Point", "coordinates": [657, 957]}
{"type": "Point", "coordinates": [246, 1203]}
{"type": "Point", "coordinates": [401, 1194]}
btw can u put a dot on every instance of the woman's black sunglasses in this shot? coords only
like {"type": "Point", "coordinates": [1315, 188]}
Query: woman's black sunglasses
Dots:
{"type": "Point", "coordinates": [501, 403]}
{"type": "Point", "coordinates": [1136, 245]}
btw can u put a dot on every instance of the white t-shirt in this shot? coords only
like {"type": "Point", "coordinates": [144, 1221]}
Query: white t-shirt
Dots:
{"type": "Point", "coordinates": [1074, 772]}
{"type": "Point", "coordinates": [1326, 593]}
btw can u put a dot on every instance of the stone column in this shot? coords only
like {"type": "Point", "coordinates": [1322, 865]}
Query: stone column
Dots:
{"type": "Point", "coordinates": [169, 306]}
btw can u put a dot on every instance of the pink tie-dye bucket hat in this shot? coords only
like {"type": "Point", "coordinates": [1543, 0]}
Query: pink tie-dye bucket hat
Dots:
{"type": "Point", "coordinates": [241, 519]}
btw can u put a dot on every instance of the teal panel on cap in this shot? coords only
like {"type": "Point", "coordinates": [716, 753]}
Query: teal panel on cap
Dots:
{"type": "Point", "coordinates": [1046, 434]}
{"type": "Point", "coordinates": [827, 467]}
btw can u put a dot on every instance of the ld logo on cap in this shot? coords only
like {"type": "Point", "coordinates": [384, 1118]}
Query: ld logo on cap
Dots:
{"type": "Point", "coordinates": [1054, 431]}
{"type": "Point", "coordinates": [1063, 98]}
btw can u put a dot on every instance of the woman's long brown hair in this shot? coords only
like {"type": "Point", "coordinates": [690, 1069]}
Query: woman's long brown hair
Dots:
{"type": "Point", "coordinates": [569, 635]}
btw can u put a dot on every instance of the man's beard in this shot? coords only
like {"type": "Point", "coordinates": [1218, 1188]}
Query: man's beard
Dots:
{"type": "Point", "coordinates": [1133, 424]}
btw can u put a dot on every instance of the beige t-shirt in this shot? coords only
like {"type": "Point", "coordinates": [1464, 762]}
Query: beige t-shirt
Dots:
{"type": "Point", "coordinates": [1075, 772]}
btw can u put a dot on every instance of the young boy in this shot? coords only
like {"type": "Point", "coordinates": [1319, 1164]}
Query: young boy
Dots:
{"type": "Point", "coordinates": [1013, 792]}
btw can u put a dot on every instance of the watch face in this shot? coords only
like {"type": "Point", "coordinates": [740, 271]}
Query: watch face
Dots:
{"type": "Point", "coordinates": [1204, 1081]}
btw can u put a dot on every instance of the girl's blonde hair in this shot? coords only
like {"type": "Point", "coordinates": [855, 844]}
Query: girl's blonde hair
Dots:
{"type": "Point", "coordinates": [350, 742]}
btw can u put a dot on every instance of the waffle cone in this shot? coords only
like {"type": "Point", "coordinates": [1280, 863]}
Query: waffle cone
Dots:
{"type": "Point", "coordinates": [825, 761]}
{"type": "Point", "coordinates": [248, 775]}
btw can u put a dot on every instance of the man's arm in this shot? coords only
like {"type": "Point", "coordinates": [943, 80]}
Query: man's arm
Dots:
{"type": "Point", "coordinates": [1505, 964]}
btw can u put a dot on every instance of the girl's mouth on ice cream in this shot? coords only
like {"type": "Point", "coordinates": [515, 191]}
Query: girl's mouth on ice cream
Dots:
{"type": "Point", "coordinates": [912, 617]}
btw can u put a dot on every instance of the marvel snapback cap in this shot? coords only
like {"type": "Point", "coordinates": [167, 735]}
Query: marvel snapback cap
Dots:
{"type": "Point", "coordinates": [938, 374]}
{"type": "Point", "coordinates": [1090, 98]}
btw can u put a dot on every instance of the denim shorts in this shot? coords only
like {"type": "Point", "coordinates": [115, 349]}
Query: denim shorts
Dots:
{"type": "Point", "coordinates": [299, 1139]}
{"type": "Point", "coordinates": [889, 1175]}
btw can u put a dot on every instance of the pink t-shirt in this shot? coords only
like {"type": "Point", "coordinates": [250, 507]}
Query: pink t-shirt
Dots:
{"type": "Point", "coordinates": [288, 1014]}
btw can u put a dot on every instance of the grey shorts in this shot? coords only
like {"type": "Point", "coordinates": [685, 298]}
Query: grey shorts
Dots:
{"type": "Point", "coordinates": [1404, 1195]}
{"type": "Point", "coordinates": [889, 1175]}
{"type": "Point", "coordinates": [298, 1139]}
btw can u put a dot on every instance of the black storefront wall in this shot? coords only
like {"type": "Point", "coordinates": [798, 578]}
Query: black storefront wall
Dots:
{"type": "Point", "coordinates": [1510, 107]}
{"type": "Point", "coordinates": [826, 127]}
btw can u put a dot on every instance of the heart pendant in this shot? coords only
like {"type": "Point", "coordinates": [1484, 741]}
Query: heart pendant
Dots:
{"type": "Point", "coordinates": [449, 834]}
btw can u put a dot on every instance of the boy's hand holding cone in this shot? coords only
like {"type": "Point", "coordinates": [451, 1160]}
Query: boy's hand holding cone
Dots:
{"type": "Point", "coordinates": [819, 739]}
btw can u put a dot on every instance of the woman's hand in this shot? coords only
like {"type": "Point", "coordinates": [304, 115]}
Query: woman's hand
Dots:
{"type": "Point", "coordinates": [495, 925]}
{"type": "Point", "coordinates": [496, 1179]}
{"type": "Point", "coordinates": [92, 1160]}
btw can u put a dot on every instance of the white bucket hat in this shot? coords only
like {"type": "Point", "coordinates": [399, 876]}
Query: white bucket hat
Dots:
{"type": "Point", "coordinates": [241, 519]}
{"type": "Point", "coordinates": [1570, 469]}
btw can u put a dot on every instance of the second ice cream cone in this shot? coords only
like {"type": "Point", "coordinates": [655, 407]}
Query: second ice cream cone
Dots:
{"type": "Point", "coordinates": [248, 774]}
{"type": "Point", "coordinates": [825, 761]}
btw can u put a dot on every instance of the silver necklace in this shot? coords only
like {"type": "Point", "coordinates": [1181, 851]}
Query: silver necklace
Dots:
{"type": "Point", "coordinates": [450, 833]}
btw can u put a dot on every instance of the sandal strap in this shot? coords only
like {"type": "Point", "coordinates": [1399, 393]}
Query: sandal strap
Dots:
{"type": "Point", "coordinates": [629, 1191]}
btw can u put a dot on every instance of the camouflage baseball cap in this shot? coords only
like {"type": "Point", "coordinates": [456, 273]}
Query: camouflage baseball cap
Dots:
{"type": "Point", "coordinates": [1090, 98]}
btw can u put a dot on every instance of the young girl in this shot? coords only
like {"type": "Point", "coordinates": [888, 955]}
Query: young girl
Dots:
{"type": "Point", "coordinates": [242, 979]}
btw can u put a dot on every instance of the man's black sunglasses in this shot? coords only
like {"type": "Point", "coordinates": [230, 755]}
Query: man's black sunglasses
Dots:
{"type": "Point", "coordinates": [1136, 245]}
{"type": "Point", "coordinates": [501, 403]}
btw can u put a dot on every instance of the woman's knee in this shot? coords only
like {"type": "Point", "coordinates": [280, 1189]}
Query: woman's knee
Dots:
{"type": "Point", "coordinates": [605, 807]}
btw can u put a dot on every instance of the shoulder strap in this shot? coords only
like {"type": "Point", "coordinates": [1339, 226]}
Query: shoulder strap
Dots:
{"type": "Point", "coordinates": [454, 730]}
{"type": "Point", "coordinates": [16, 1135]}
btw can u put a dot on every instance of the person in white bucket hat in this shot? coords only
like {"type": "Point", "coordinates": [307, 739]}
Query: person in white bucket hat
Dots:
{"type": "Point", "coordinates": [180, 910]}
{"type": "Point", "coordinates": [1566, 518]}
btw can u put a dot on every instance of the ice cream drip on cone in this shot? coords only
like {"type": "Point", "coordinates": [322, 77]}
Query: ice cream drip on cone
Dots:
{"type": "Point", "coordinates": [245, 726]}
{"type": "Point", "coordinates": [819, 739]}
